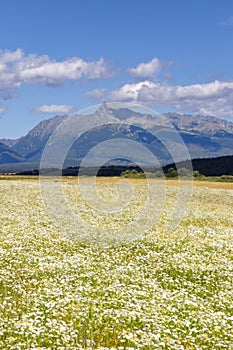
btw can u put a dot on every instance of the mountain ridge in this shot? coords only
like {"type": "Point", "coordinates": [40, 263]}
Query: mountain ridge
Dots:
{"type": "Point", "coordinates": [204, 136]}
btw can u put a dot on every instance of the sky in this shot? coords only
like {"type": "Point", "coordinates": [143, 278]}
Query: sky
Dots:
{"type": "Point", "coordinates": [60, 56]}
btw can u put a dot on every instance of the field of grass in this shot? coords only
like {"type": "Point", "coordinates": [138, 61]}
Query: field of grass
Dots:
{"type": "Point", "coordinates": [166, 290]}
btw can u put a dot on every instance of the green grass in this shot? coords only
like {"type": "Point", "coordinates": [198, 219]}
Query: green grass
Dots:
{"type": "Point", "coordinates": [168, 290]}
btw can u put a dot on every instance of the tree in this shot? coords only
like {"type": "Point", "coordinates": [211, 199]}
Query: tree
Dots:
{"type": "Point", "coordinates": [158, 174]}
{"type": "Point", "coordinates": [196, 173]}
{"type": "Point", "coordinates": [184, 172]}
{"type": "Point", "coordinates": [171, 173]}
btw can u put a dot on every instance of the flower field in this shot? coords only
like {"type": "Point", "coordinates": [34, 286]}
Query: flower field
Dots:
{"type": "Point", "coordinates": [164, 290]}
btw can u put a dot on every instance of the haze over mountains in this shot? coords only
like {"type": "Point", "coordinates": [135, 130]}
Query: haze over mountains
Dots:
{"type": "Point", "coordinates": [204, 136]}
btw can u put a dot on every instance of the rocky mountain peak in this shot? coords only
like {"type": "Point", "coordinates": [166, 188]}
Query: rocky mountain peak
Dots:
{"type": "Point", "coordinates": [205, 136]}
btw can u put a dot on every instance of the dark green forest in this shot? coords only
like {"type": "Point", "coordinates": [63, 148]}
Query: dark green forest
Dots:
{"type": "Point", "coordinates": [205, 166]}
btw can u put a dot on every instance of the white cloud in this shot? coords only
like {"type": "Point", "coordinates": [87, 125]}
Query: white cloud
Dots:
{"type": "Point", "coordinates": [215, 98]}
{"type": "Point", "coordinates": [11, 56]}
{"type": "Point", "coordinates": [96, 94]}
{"type": "Point", "coordinates": [55, 109]}
{"type": "Point", "coordinates": [16, 69]}
{"type": "Point", "coordinates": [2, 110]}
{"type": "Point", "coordinates": [146, 70]}
{"type": "Point", "coordinates": [227, 22]}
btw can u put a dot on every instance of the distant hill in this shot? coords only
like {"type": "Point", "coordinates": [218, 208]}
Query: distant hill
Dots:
{"type": "Point", "coordinates": [8, 155]}
{"type": "Point", "coordinates": [9, 142]}
{"type": "Point", "coordinates": [204, 136]}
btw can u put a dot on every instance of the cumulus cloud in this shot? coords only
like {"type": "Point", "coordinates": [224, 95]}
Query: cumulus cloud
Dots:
{"type": "Point", "coordinates": [146, 70]}
{"type": "Point", "coordinates": [55, 109]}
{"type": "Point", "coordinates": [214, 98]}
{"type": "Point", "coordinates": [16, 69]}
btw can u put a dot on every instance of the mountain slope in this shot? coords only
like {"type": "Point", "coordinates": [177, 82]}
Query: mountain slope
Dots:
{"type": "Point", "coordinates": [8, 155]}
{"type": "Point", "coordinates": [204, 136]}
{"type": "Point", "coordinates": [34, 142]}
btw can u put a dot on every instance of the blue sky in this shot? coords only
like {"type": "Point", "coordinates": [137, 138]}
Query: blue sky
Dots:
{"type": "Point", "coordinates": [61, 56]}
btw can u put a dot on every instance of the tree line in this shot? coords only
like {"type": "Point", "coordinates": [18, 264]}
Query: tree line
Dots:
{"type": "Point", "coordinates": [220, 166]}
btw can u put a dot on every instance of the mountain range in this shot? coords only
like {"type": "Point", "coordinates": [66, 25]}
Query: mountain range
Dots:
{"type": "Point", "coordinates": [204, 136]}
